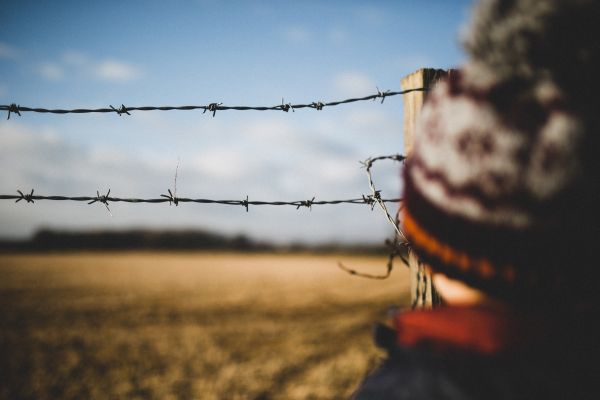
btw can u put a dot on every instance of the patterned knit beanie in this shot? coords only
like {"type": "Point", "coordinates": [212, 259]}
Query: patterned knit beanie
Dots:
{"type": "Point", "coordinates": [502, 187]}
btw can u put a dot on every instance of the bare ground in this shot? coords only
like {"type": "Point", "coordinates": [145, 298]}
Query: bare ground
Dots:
{"type": "Point", "coordinates": [189, 325]}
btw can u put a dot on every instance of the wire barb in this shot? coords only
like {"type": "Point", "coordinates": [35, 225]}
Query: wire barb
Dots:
{"type": "Point", "coordinates": [213, 107]}
{"type": "Point", "coordinates": [102, 199]}
{"type": "Point", "coordinates": [382, 94]}
{"type": "Point", "coordinates": [27, 197]}
{"type": "Point", "coordinates": [122, 110]}
{"type": "Point", "coordinates": [306, 203]}
{"type": "Point", "coordinates": [318, 105]}
{"type": "Point", "coordinates": [13, 108]}
{"type": "Point", "coordinates": [369, 199]}
{"type": "Point", "coordinates": [245, 203]}
{"type": "Point", "coordinates": [286, 106]}
{"type": "Point", "coordinates": [171, 198]}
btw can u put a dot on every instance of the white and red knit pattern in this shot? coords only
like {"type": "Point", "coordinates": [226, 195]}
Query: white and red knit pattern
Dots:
{"type": "Point", "coordinates": [472, 162]}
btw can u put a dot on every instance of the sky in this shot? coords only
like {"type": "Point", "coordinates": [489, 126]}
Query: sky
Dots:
{"type": "Point", "coordinates": [73, 54]}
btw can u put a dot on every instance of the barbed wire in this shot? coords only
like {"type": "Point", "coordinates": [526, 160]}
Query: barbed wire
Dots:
{"type": "Point", "coordinates": [398, 249]}
{"type": "Point", "coordinates": [398, 246]}
{"type": "Point", "coordinates": [368, 164]}
{"type": "Point", "coordinates": [171, 198]}
{"type": "Point", "coordinates": [211, 107]}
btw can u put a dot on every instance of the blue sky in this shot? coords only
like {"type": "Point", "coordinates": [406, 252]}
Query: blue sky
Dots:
{"type": "Point", "coordinates": [92, 54]}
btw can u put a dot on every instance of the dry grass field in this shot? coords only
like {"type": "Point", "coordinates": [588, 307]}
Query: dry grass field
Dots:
{"type": "Point", "coordinates": [189, 325]}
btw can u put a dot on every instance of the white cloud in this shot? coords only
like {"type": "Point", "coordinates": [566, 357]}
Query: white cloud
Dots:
{"type": "Point", "coordinates": [116, 71]}
{"type": "Point", "coordinates": [74, 58]}
{"type": "Point", "coordinates": [336, 170]}
{"type": "Point", "coordinates": [8, 52]}
{"type": "Point", "coordinates": [75, 64]}
{"type": "Point", "coordinates": [225, 164]}
{"type": "Point", "coordinates": [51, 71]}
{"type": "Point", "coordinates": [29, 158]}
{"type": "Point", "coordinates": [273, 131]}
{"type": "Point", "coordinates": [367, 118]}
{"type": "Point", "coordinates": [354, 83]}
{"type": "Point", "coordinates": [297, 34]}
{"type": "Point", "coordinates": [42, 158]}
{"type": "Point", "coordinates": [315, 140]}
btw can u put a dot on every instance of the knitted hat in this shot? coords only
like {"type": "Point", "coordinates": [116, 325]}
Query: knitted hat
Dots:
{"type": "Point", "coordinates": [501, 190]}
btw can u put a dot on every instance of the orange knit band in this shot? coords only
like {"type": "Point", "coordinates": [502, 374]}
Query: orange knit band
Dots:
{"type": "Point", "coordinates": [423, 240]}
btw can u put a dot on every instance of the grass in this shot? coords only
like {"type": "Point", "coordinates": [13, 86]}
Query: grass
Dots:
{"type": "Point", "coordinates": [189, 325]}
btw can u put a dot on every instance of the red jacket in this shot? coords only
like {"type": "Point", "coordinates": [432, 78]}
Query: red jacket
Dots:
{"type": "Point", "coordinates": [485, 353]}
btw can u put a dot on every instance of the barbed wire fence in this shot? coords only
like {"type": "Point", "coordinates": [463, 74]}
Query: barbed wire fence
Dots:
{"type": "Point", "coordinates": [398, 246]}
{"type": "Point", "coordinates": [211, 107]}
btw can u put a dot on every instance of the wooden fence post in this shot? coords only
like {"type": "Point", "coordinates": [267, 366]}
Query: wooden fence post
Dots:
{"type": "Point", "coordinates": [423, 294]}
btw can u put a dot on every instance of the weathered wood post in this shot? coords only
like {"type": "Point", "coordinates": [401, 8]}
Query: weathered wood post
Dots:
{"type": "Point", "coordinates": [423, 293]}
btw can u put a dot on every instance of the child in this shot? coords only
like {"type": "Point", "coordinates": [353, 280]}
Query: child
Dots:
{"type": "Point", "coordinates": [501, 202]}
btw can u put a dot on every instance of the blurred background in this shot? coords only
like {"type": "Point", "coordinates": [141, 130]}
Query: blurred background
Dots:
{"type": "Point", "coordinates": [68, 55]}
{"type": "Point", "coordinates": [208, 324]}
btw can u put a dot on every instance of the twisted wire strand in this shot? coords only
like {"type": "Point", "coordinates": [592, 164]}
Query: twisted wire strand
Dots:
{"type": "Point", "coordinates": [212, 107]}
{"type": "Point", "coordinates": [376, 194]}
{"type": "Point", "coordinates": [171, 199]}
{"type": "Point", "coordinates": [399, 245]}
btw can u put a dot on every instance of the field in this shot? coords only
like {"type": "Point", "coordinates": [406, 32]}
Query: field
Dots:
{"type": "Point", "coordinates": [189, 325]}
